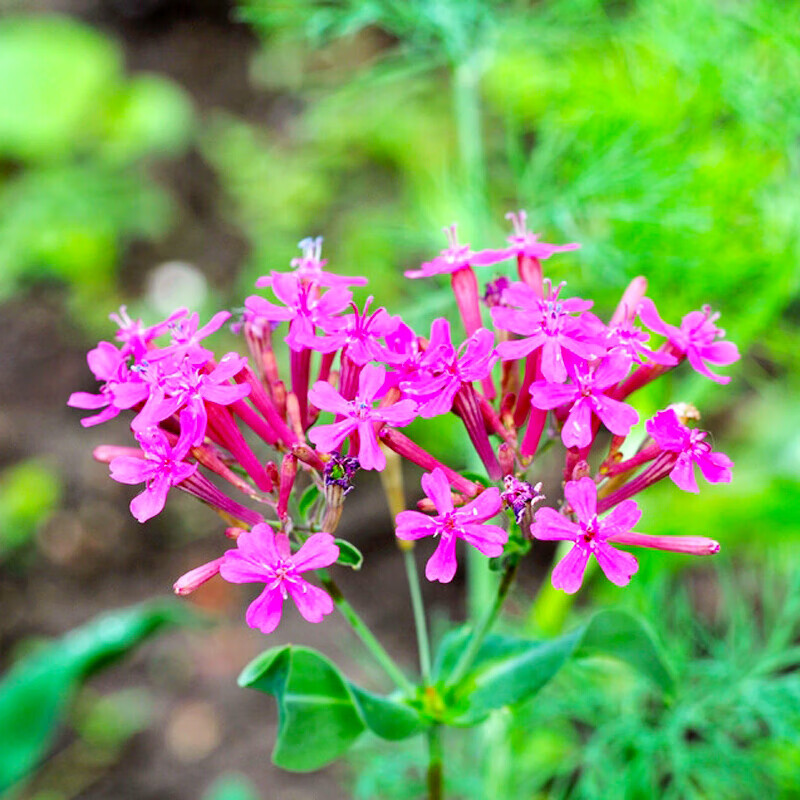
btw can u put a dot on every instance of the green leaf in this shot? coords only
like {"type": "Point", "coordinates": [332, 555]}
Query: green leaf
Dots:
{"type": "Point", "coordinates": [386, 717]}
{"type": "Point", "coordinates": [35, 692]}
{"type": "Point", "coordinates": [509, 670]}
{"type": "Point", "coordinates": [317, 716]}
{"type": "Point", "coordinates": [307, 500]}
{"type": "Point", "coordinates": [349, 554]}
{"type": "Point", "coordinates": [628, 638]}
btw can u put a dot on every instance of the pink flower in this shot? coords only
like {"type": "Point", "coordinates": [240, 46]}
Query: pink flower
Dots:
{"type": "Point", "coordinates": [264, 557]}
{"type": "Point", "coordinates": [442, 370]}
{"type": "Point", "coordinates": [591, 536]}
{"type": "Point", "coordinates": [452, 524]}
{"type": "Point", "coordinates": [303, 307]}
{"type": "Point", "coordinates": [359, 415]}
{"type": "Point", "coordinates": [548, 324]}
{"type": "Point", "coordinates": [309, 267]}
{"type": "Point", "coordinates": [690, 445]}
{"type": "Point", "coordinates": [585, 396]}
{"type": "Point", "coordinates": [162, 467]}
{"type": "Point", "coordinates": [455, 257]}
{"type": "Point", "coordinates": [135, 336]}
{"type": "Point", "coordinates": [525, 243]}
{"type": "Point", "coordinates": [186, 337]}
{"type": "Point", "coordinates": [696, 338]}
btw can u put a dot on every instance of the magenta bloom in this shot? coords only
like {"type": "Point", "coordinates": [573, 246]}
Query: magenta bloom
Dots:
{"type": "Point", "coordinates": [548, 324]}
{"type": "Point", "coordinates": [591, 536]}
{"type": "Point", "coordinates": [136, 336]}
{"type": "Point", "coordinates": [359, 415]}
{"type": "Point", "coordinates": [525, 243]}
{"type": "Point", "coordinates": [586, 396]}
{"type": "Point", "coordinates": [455, 257]}
{"type": "Point", "coordinates": [121, 388]}
{"type": "Point", "coordinates": [442, 370]}
{"type": "Point", "coordinates": [304, 307]}
{"type": "Point", "coordinates": [690, 445]}
{"type": "Point", "coordinates": [261, 556]}
{"type": "Point", "coordinates": [309, 267]}
{"type": "Point", "coordinates": [696, 338]}
{"type": "Point", "coordinates": [357, 334]}
{"type": "Point", "coordinates": [186, 337]}
{"type": "Point", "coordinates": [453, 523]}
{"type": "Point", "coordinates": [162, 467]}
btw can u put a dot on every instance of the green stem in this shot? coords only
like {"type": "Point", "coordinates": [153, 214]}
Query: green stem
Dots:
{"type": "Point", "coordinates": [419, 614]}
{"type": "Point", "coordinates": [435, 766]}
{"type": "Point", "coordinates": [366, 635]}
{"type": "Point", "coordinates": [467, 108]}
{"type": "Point", "coordinates": [478, 635]}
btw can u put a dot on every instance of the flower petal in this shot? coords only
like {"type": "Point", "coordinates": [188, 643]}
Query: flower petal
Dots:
{"type": "Point", "coordinates": [549, 525]}
{"type": "Point", "coordinates": [568, 573]}
{"type": "Point", "coordinates": [264, 613]}
{"type": "Point", "coordinates": [442, 564]}
{"type": "Point", "coordinates": [415, 525]}
{"type": "Point", "coordinates": [437, 487]}
{"type": "Point", "coordinates": [582, 496]}
{"type": "Point", "coordinates": [325, 397]}
{"type": "Point", "coordinates": [488, 539]}
{"type": "Point", "coordinates": [370, 455]}
{"type": "Point", "coordinates": [318, 551]}
{"type": "Point", "coordinates": [617, 565]}
{"type": "Point", "coordinates": [312, 602]}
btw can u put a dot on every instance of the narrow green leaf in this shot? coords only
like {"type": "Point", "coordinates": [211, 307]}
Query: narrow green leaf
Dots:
{"type": "Point", "coordinates": [35, 692]}
{"type": "Point", "coordinates": [349, 554]}
{"type": "Point", "coordinates": [628, 638]}
{"type": "Point", "coordinates": [509, 670]}
{"type": "Point", "coordinates": [386, 717]}
{"type": "Point", "coordinates": [317, 716]}
{"type": "Point", "coordinates": [307, 500]}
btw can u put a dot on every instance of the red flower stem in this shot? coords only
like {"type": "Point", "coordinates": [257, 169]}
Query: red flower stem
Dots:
{"type": "Point", "coordinates": [263, 402]}
{"type": "Point", "coordinates": [410, 450]}
{"type": "Point", "coordinates": [467, 406]}
{"type": "Point", "coordinates": [300, 364]}
{"type": "Point", "coordinates": [530, 272]}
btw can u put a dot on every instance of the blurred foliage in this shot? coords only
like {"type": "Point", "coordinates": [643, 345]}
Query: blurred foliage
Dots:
{"type": "Point", "coordinates": [36, 691]}
{"type": "Point", "coordinates": [75, 134]}
{"type": "Point", "coordinates": [29, 492]}
{"type": "Point", "coordinates": [631, 130]}
{"type": "Point", "coordinates": [232, 787]}
{"type": "Point", "coordinates": [598, 731]}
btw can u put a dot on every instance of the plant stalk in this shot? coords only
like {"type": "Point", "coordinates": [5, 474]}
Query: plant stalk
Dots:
{"type": "Point", "coordinates": [418, 606]}
{"type": "Point", "coordinates": [435, 764]}
{"type": "Point", "coordinates": [483, 627]}
{"type": "Point", "coordinates": [365, 634]}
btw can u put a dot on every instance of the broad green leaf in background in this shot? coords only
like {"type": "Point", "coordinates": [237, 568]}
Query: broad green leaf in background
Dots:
{"type": "Point", "coordinates": [34, 694]}
{"type": "Point", "coordinates": [320, 712]}
{"type": "Point", "coordinates": [509, 670]}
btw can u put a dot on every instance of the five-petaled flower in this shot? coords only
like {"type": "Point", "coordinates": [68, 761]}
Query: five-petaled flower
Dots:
{"type": "Point", "coordinates": [691, 448]}
{"type": "Point", "coordinates": [451, 524]}
{"type": "Point", "coordinates": [262, 556]}
{"type": "Point", "coordinates": [359, 416]}
{"type": "Point", "coordinates": [590, 534]}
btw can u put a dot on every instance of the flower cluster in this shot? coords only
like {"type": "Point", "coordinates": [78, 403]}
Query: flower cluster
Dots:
{"type": "Point", "coordinates": [357, 375]}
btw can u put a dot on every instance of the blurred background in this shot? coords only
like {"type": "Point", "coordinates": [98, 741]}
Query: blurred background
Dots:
{"type": "Point", "coordinates": [159, 153]}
